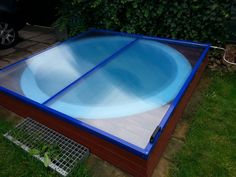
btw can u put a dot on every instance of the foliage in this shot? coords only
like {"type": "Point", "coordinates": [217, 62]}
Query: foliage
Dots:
{"type": "Point", "coordinates": [182, 19]}
{"type": "Point", "coordinates": [49, 152]}
{"type": "Point", "coordinates": [39, 147]}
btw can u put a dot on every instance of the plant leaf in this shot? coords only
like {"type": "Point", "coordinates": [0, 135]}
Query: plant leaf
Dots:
{"type": "Point", "coordinates": [34, 152]}
{"type": "Point", "coordinates": [44, 148]}
{"type": "Point", "coordinates": [46, 160]}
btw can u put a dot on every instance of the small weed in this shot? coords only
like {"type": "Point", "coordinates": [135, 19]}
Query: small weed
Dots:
{"type": "Point", "coordinates": [38, 146]}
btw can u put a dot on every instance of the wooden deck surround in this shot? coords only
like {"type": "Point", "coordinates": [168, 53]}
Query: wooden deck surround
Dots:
{"type": "Point", "coordinates": [114, 154]}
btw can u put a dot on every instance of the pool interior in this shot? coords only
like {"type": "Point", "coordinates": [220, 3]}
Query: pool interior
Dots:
{"type": "Point", "coordinates": [120, 84]}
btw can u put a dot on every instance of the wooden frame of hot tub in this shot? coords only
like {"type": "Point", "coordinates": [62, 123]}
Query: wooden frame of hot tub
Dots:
{"type": "Point", "coordinates": [140, 164]}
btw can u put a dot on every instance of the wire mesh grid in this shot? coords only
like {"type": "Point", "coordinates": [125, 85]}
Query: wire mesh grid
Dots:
{"type": "Point", "coordinates": [65, 153]}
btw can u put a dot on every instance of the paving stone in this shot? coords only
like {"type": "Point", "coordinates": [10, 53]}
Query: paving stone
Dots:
{"type": "Point", "coordinates": [37, 47]}
{"type": "Point", "coordinates": [25, 44]}
{"type": "Point", "coordinates": [4, 58]}
{"type": "Point", "coordinates": [162, 168]}
{"type": "Point", "coordinates": [3, 63]}
{"type": "Point", "coordinates": [100, 168]}
{"type": "Point", "coordinates": [51, 40]}
{"type": "Point", "coordinates": [36, 28]}
{"type": "Point", "coordinates": [181, 130]}
{"type": "Point", "coordinates": [28, 34]}
{"type": "Point", "coordinates": [7, 51]}
{"type": "Point", "coordinates": [173, 146]}
{"type": "Point", "coordinates": [16, 56]}
{"type": "Point", "coordinates": [44, 38]}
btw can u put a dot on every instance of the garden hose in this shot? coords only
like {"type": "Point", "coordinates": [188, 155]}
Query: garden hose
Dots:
{"type": "Point", "coordinates": [227, 61]}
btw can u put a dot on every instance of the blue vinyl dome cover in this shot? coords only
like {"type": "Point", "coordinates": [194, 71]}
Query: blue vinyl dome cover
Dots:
{"type": "Point", "coordinates": [143, 77]}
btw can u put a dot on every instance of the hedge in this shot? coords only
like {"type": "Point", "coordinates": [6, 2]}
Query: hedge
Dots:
{"type": "Point", "coordinates": [195, 20]}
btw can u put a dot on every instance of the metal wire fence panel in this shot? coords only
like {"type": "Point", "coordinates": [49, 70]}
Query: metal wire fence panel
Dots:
{"type": "Point", "coordinates": [41, 141]}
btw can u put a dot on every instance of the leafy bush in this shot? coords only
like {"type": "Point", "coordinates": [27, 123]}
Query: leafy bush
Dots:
{"type": "Point", "coordinates": [181, 19]}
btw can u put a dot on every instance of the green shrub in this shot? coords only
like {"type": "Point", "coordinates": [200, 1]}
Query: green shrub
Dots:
{"type": "Point", "coordinates": [182, 19]}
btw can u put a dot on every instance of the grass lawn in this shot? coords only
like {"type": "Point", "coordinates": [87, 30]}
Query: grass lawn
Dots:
{"type": "Point", "coordinates": [209, 150]}
{"type": "Point", "coordinates": [210, 145]}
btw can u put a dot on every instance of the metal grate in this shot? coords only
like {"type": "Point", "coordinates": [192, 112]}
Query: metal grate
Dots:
{"type": "Point", "coordinates": [31, 135]}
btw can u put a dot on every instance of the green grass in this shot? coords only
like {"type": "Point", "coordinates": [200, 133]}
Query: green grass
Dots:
{"type": "Point", "coordinates": [16, 162]}
{"type": "Point", "coordinates": [210, 147]}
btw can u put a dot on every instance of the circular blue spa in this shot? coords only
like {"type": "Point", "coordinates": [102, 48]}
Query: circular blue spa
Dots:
{"type": "Point", "coordinates": [144, 76]}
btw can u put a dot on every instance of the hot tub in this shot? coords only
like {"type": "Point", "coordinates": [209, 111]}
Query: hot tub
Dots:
{"type": "Point", "coordinates": [115, 93]}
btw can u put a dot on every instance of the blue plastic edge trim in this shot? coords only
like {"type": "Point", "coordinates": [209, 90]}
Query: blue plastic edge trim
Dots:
{"type": "Point", "coordinates": [144, 153]}
{"type": "Point", "coordinates": [48, 48]}
{"type": "Point", "coordinates": [101, 64]}
{"type": "Point", "coordinates": [177, 99]}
